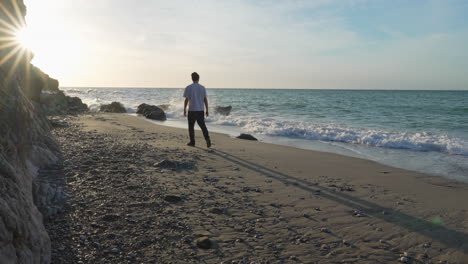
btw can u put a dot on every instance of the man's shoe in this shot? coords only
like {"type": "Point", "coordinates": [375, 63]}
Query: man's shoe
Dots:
{"type": "Point", "coordinates": [208, 143]}
{"type": "Point", "coordinates": [191, 144]}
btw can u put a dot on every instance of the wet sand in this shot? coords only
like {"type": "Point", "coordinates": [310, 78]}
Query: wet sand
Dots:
{"type": "Point", "coordinates": [138, 194]}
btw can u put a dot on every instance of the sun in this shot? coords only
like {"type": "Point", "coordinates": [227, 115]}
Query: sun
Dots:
{"type": "Point", "coordinates": [24, 37]}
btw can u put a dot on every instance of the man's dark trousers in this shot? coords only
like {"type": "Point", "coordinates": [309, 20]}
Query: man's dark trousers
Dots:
{"type": "Point", "coordinates": [199, 117]}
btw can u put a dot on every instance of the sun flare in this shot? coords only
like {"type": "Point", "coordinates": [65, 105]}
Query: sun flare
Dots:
{"type": "Point", "coordinates": [24, 38]}
{"type": "Point", "coordinates": [48, 41]}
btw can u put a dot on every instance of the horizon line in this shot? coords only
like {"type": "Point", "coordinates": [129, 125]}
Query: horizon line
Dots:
{"type": "Point", "coordinates": [232, 88]}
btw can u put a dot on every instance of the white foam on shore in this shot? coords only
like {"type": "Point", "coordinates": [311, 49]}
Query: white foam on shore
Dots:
{"type": "Point", "coordinates": [421, 142]}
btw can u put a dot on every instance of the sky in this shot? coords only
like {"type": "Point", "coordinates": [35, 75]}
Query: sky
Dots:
{"type": "Point", "coordinates": [314, 44]}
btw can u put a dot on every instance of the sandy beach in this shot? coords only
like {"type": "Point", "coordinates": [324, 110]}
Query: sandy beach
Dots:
{"type": "Point", "coordinates": [138, 194]}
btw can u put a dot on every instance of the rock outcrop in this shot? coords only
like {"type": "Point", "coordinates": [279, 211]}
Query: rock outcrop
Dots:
{"type": "Point", "coordinates": [57, 103]}
{"type": "Point", "coordinates": [26, 145]}
{"type": "Point", "coordinates": [151, 112]}
{"type": "Point", "coordinates": [223, 110]}
{"type": "Point", "coordinates": [114, 107]}
{"type": "Point", "coordinates": [36, 82]}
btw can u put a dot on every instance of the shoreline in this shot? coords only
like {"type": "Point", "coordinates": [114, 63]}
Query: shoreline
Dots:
{"type": "Point", "coordinates": [323, 147]}
{"type": "Point", "coordinates": [254, 201]}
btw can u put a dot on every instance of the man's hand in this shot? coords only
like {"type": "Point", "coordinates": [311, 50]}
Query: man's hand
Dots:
{"type": "Point", "coordinates": [185, 106]}
{"type": "Point", "coordinates": [205, 100]}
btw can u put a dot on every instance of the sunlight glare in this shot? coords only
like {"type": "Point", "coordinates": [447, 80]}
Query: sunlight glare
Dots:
{"type": "Point", "coordinates": [57, 48]}
{"type": "Point", "coordinates": [24, 38]}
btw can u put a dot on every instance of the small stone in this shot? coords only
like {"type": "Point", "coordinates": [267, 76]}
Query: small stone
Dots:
{"type": "Point", "coordinates": [216, 210]}
{"type": "Point", "coordinates": [203, 242]}
{"type": "Point", "coordinates": [240, 240]}
{"type": "Point", "coordinates": [427, 245]}
{"type": "Point", "coordinates": [358, 213]}
{"type": "Point", "coordinates": [317, 209]}
{"type": "Point", "coordinates": [324, 247]}
{"type": "Point", "coordinates": [404, 260]}
{"type": "Point", "coordinates": [324, 230]}
{"type": "Point", "coordinates": [383, 241]}
{"type": "Point", "coordinates": [82, 238]}
{"type": "Point", "coordinates": [172, 198]}
{"type": "Point", "coordinates": [110, 218]}
{"type": "Point", "coordinates": [115, 251]}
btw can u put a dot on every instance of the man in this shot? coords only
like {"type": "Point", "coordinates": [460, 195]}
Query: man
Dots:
{"type": "Point", "coordinates": [195, 97]}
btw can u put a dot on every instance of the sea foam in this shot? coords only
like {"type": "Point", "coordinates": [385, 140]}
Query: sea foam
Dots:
{"type": "Point", "coordinates": [422, 141]}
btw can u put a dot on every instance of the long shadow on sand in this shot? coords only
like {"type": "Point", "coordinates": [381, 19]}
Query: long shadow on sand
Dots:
{"type": "Point", "coordinates": [446, 236]}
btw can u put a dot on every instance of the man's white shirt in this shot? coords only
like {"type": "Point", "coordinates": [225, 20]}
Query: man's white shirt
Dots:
{"type": "Point", "coordinates": [196, 94]}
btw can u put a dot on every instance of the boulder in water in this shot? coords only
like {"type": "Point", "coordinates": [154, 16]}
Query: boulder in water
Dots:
{"type": "Point", "coordinates": [114, 107]}
{"type": "Point", "coordinates": [223, 110]}
{"type": "Point", "coordinates": [151, 112]}
{"type": "Point", "coordinates": [247, 137]}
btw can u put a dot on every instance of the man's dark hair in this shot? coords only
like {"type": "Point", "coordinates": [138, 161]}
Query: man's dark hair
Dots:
{"type": "Point", "coordinates": [195, 77]}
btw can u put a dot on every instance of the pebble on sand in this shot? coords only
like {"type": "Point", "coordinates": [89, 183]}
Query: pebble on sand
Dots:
{"type": "Point", "coordinates": [404, 260]}
{"type": "Point", "coordinates": [172, 198]}
{"type": "Point", "coordinates": [216, 210]}
{"type": "Point", "coordinates": [203, 242]}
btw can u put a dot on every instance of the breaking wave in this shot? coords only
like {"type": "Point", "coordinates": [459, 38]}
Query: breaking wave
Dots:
{"type": "Point", "coordinates": [422, 141]}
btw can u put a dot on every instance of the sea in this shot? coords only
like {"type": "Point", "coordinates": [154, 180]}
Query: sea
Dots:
{"type": "Point", "coordinates": [424, 131]}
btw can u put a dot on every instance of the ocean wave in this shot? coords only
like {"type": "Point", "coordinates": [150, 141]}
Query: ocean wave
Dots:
{"type": "Point", "coordinates": [422, 141]}
{"type": "Point", "coordinates": [76, 91]}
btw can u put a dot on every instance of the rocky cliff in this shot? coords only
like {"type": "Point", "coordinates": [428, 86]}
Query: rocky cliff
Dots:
{"type": "Point", "coordinates": [25, 146]}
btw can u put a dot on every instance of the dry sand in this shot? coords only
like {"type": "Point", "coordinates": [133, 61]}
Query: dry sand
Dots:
{"type": "Point", "coordinates": [140, 195]}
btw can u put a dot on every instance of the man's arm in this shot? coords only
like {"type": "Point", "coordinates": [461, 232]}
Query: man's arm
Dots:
{"type": "Point", "coordinates": [206, 105]}
{"type": "Point", "coordinates": [185, 106]}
